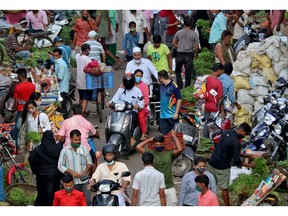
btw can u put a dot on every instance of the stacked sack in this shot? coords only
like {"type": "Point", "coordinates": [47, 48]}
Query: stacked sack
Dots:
{"type": "Point", "coordinates": [260, 62]}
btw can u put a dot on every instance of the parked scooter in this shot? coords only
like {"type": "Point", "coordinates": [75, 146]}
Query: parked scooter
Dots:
{"type": "Point", "coordinates": [105, 187]}
{"type": "Point", "coordinates": [118, 128]}
{"type": "Point", "coordinates": [191, 133]}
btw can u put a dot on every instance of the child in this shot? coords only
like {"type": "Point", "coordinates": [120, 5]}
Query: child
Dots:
{"type": "Point", "coordinates": [131, 40]}
{"type": "Point", "coordinates": [207, 197]}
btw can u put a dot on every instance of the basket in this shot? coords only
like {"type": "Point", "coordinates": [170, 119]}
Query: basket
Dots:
{"type": "Point", "coordinates": [29, 190]}
{"type": "Point", "coordinates": [169, 142]}
{"type": "Point", "coordinates": [106, 80]}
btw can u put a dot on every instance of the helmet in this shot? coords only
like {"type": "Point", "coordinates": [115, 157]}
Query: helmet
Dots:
{"type": "Point", "coordinates": [109, 148]}
{"type": "Point", "coordinates": [129, 81]}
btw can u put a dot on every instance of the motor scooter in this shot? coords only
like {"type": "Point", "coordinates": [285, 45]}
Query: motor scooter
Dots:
{"type": "Point", "coordinates": [118, 128]}
{"type": "Point", "coordinates": [191, 133]}
{"type": "Point", "coordinates": [105, 187]}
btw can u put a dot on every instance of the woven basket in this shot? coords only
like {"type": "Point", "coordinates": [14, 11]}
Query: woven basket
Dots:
{"type": "Point", "coordinates": [29, 189]}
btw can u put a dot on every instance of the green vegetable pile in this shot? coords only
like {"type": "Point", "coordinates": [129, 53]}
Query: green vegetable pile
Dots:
{"type": "Point", "coordinates": [187, 94]}
{"type": "Point", "coordinates": [203, 26]}
{"type": "Point", "coordinates": [247, 184]}
{"type": "Point", "coordinates": [204, 63]}
{"type": "Point", "coordinates": [205, 146]}
{"type": "Point", "coordinates": [261, 16]}
{"type": "Point", "coordinates": [65, 34]}
{"type": "Point", "coordinates": [41, 54]}
{"type": "Point", "coordinates": [18, 197]}
{"type": "Point", "coordinates": [34, 136]}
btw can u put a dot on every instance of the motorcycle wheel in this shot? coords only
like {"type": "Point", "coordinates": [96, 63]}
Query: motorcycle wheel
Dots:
{"type": "Point", "coordinates": [69, 105]}
{"type": "Point", "coordinates": [181, 165]}
{"type": "Point", "coordinates": [8, 116]}
{"type": "Point", "coordinates": [1, 55]}
{"type": "Point", "coordinates": [27, 175]}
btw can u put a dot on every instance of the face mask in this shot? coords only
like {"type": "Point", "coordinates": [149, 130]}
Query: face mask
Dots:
{"type": "Point", "coordinates": [109, 163]}
{"type": "Point", "coordinates": [84, 18]}
{"type": "Point", "coordinates": [198, 188]}
{"type": "Point", "coordinates": [137, 61]}
{"type": "Point", "coordinates": [32, 111]}
{"type": "Point", "coordinates": [200, 170]}
{"type": "Point", "coordinates": [68, 190]}
{"type": "Point", "coordinates": [159, 148]}
{"type": "Point", "coordinates": [38, 103]}
{"type": "Point", "coordinates": [75, 145]}
{"type": "Point", "coordinates": [138, 79]}
{"type": "Point", "coordinates": [132, 29]}
{"type": "Point", "coordinates": [214, 14]}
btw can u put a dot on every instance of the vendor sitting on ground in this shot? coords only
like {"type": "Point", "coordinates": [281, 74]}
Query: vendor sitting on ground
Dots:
{"type": "Point", "coordinates": [13, 48]}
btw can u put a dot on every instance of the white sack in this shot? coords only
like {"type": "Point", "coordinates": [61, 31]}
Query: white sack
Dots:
{"type": "Point", "coordinates": [244, 98]}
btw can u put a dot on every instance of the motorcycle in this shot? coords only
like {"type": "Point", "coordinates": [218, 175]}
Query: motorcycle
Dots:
{"type": "Point", "coordinates": [118, 128]}
{"type": "Point", "coordinates": [191, 133]}
{"type": "Point", "coordinates": [105, 187]}
{"type": "Point", "coordinates": [46, 38]}
{"type": "Point", "coordinates": [250, 35]}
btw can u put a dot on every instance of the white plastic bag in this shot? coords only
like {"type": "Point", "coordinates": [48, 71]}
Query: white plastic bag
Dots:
{"type": "Point", "coordinates": [236, 171]}
{"type": "Point", "coordinates": [146, 46]}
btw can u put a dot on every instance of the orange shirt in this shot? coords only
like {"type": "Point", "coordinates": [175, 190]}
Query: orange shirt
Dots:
{"type": "Point", "coordinates": [83, 28]}
{"type": "Point", "coordinates": [208, 199]}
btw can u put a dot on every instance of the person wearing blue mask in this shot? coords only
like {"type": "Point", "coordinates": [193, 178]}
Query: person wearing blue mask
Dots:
{"type": "Point", "coordinates": [189, 192]}
{"type": "Point", "coordinates": [163, 162]}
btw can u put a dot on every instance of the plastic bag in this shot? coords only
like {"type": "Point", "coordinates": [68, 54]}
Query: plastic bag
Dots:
{"type": "Point", "coordinates": [73, 54]}
{"type": "Point", "coordinates": [146, 46]}
{"type": "Point", "coordinates": [236, 171]}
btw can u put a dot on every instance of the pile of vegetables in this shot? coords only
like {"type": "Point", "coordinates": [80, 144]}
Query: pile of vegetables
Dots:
{"type": "Point", "coordinates": [65, 34]}
{"type": "Point", "coordinates": [34, 136]}
{"type": "Point", "coordinates": [18, 197]}
{"type": "Point", "coordinates": [187, 94]}
{"type": "Point", "coordinates": [247, 184]}
{"type": "Point", "coordinates": [205, 146]}
{"type": "Point", "coordinates": [204, 63]}
{"type": "Point", "coordinates": [38, 54]}
{"type": "Point", "coordinates": [203, 26]}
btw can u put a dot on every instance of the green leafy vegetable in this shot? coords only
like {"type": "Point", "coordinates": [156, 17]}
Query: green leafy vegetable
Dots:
{"type": "Point", "coordinates": [34, 136]}
{"type": "Point", "coordinates": [203, 26]}
{"type": "Point", "coordinates": [18, 197]}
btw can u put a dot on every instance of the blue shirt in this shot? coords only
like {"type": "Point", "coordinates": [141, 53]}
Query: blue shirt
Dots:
{"type": "Point", "coordinates": [66, 53]}
{"type": "Point", "coordinates": [63, 74]}
{"type": "Point", "coordinates": [129, 42]}
{"type": "Point", "coordinates": [228, 87]}
{"type": "Point", "coordinates": [169, 95]}
{"type": "Point", "coordinates": [218, 26]}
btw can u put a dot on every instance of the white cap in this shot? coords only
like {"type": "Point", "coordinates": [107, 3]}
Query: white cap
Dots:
{"type": "Point", "coordinates": [92, 34]}
{"type": "Point", "coordinates": [136, 50]}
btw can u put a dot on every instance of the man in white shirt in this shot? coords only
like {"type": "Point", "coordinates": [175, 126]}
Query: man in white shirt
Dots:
{"type": "Point", "coordinates": [84, 94]}
{"type": "Point", "coordinates": [149, 183]}
{"type": "Point", "coordinates": [143, 64]}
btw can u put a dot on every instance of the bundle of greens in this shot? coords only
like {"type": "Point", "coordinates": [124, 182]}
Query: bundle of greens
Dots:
{"type": "Point", "coordinates": [187, 94]}
{"type": "Point", "coordinates": [41, 54]}
{"type": "Point", "coordinates": [203, 26]}
{"type": "Point", "coordinates": [204, 63]}
{"type": "Point", "coordinates": [18, 197]}
{"type": "Point", "coordinates": [65, 34]}
{"type": "Point", "coordinates": [34, 136]}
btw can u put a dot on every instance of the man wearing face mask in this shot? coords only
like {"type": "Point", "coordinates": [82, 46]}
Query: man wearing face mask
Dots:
{"type": "Point", "coordinates": [69, 196]}
{"type": "Point", "coordinates": [75, 159]}
{"type": "Point", "coordinates": [143, 64]}
{"type": "Point", "coordinates": [13, 49]}
{"type": "Point", "coordinates": [228, 149]}
{"type": "Point", "coordinates": [189, 193]}
{"type": "Point", "coordinates": [163, 162]}
{"type": "Point", "coordinates": [112, 170]}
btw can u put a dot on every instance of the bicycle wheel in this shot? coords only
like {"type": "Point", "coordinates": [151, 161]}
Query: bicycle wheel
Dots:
{"type": "Point", "coordinates": [26, 174]}
{"type": "Point", "coordinates": [21, 194]}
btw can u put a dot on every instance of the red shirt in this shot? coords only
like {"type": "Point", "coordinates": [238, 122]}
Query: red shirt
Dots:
{"type": "Point", "coordinates": [171, 19]}
{"type": "Point", "coordinates": [210, 100]}
{"type": "Point", "coordinates": [76, 198]}
{"type": "Point", "coordinates": [82, 28]}
{"type": "Point", "coordinates": [208, 199]}
{"type": "Point", "coordinates": [22, 92]}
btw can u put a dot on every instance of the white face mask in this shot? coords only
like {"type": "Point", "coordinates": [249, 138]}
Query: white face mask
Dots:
{"type": "Point", "coordinates": [38, 103]}
{"type": "Point", "coordinates": [137, 61]}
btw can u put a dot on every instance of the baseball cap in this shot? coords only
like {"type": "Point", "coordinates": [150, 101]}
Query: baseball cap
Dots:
{"type": "Point", "coordinates": [92, 34]}
{"type": "Point", "coordinates": [136, 49]}
{"type": "Point", "coordinates": [57, 39]}
{"type": "Point", "coordinates": [17, 26]}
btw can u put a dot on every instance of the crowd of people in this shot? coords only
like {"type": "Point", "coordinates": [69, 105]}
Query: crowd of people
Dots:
{"type": "Point", "coordinates": [64, 158]}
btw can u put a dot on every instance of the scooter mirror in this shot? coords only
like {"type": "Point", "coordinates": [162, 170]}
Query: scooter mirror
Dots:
{"type": "Point", "coordinates": [84, 178]}
{"type": "Point", "coordinates": [125, 174]}
{"type": "Point", "coordinates": [140, 98]}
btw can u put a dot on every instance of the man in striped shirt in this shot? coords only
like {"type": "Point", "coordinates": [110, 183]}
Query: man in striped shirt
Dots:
{"type": "Point", "coordinates": [96, 48]}
{"type": "Point", "coordinates": [13, 49]}
{"type": "Point", "coordinates": [75, 159]}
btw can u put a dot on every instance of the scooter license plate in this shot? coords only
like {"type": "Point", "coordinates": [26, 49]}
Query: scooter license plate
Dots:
{"type": "Point", "coordinates": [188, 138]}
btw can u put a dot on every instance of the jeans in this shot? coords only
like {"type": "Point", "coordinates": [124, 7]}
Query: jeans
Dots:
{"type": "Point", "coordinates": [16, 129]}
{"type": "Point", "coordinates": [166, 125]}
{"type": "Point", "coordinates": [87, 193]}
{"type": "Point", "coordinates": [22, 54]}
{"type": "Point", "coordinates": [185, 59]}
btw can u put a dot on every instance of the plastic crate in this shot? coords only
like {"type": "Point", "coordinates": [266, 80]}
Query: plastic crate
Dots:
{"type": "Point", "coordinates": [106, 80]}
{"type": "Point", "coordinates": [169, 142]}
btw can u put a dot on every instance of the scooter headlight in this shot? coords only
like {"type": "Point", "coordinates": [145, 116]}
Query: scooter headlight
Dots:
{"type": "Point", "coordinates": [273, 101]}
{"type": "Point", "coordinates": [261, 133]}
{"type": "Point", "coordinates": [108, 121]}
{"type": "Point", "coordinates": [269, 119]}
{"type": "Point", "coordinates": [278, 128]}
{"type": "Point", "coordinates": [120, 106]}
{"type": "Point", "coordinates": [104, 188]}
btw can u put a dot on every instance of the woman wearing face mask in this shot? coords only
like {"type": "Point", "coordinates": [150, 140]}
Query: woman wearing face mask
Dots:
{"type": "Point", "coordinates": [143, 113]}
{"type": "Point", "coordinates": [37, 98]}
{"type": "Point", "coordinates": [43, 161]}
{"type": "Point", "coordinates": [189, 192]}
{"type": "Point", "coordinates": [35, 120]}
